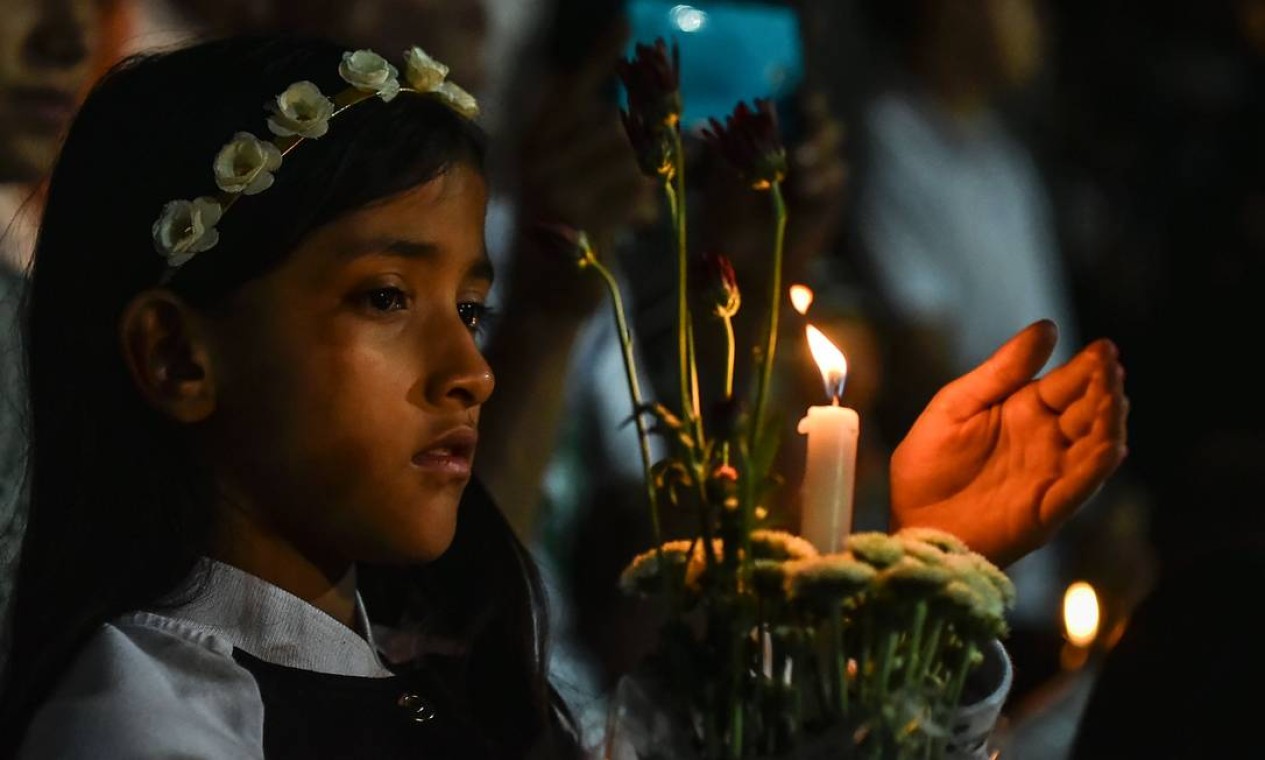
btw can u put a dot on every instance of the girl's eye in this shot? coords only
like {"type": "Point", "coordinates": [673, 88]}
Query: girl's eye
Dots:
{"type": "Point", "coordinates": [386, 299]}
{"type": "Point", "coordinates": [475, 315]}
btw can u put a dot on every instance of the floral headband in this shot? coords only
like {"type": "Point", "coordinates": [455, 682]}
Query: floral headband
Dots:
{"type": "Point", "coordinates": [246, 164]}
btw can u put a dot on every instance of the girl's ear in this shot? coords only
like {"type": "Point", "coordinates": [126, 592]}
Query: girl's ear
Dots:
{"type": "Point", "coordinates": [165, 346]}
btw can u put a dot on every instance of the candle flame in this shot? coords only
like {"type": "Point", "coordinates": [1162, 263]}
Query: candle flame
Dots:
{"type": "Point", "coordinates": [1080, 614]}
{"type": "Point", "coordinates": [830, 360]}
{"type": "Point", "coordinates": [801, 298]}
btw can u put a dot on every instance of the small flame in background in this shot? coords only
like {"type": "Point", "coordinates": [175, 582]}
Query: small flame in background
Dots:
{"type": "Point", "coordinates": [830, 360]}
{"type": "Point", "coordinates": [801, 298]}
{"type": "Point", "coordinates": [1081, 614]}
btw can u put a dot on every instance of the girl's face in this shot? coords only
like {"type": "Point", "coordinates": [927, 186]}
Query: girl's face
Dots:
{"type": "Point", "coordinates": [348, 382]}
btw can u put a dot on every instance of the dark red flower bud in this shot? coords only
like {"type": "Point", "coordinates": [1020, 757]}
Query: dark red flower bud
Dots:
{"type": "Point", "coordinates": [653, 83]}
{"type": "Point", "coordinates": [720, 285]}
{"type": "Point", "coordinates": [750, 142]}
{"type": "Point", "coordinates": [565, 240]}
{"type": "Point", "coordinates": [651, 144]}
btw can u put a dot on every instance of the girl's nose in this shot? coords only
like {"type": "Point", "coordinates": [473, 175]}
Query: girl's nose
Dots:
{"type": "Point", "coordinates": [460, 374]}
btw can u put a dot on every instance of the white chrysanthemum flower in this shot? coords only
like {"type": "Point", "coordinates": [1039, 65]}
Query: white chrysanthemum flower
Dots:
{"type": "Point", "coordinates": [186, 228]}
{"type": "Point", "coordinates": [768, 576]}
{"type": "Point", "coordinates": [778, 544]}
{"type": "Point", "coordinates": [999, 580]}
{"type": "Point", "coordinates": [828, 578]}
{"type": "Point", "coordinates": [423, 72]}
{"type": "Point", "coordinates": [928, 553]}
{"type": "Point", "coordinates": [942, 540]}
{"type": "Point", "coordinates": [989, 607]}
{"type": "Point", "coordinates": [369, 72]}
{"type": "Point", "coordinates": [246, 164]}
{"type": "Point", "coordinates": [302, 110]}
{"type": "Point", "coordinates": [976, 605]}
{"type": "Point", "coordinates": [879, 549]}
{"type": "Point", "coordinates": [911, 577]}
{"type": "Point", "coordinates": [458, 99]}
{"type": "Point", "coordinates": [643, 574]}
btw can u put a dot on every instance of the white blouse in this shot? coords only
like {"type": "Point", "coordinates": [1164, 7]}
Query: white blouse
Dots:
{"type": "Point", "coordinates": [167, 686]}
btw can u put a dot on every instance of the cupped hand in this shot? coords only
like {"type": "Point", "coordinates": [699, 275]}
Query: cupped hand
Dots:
{"type": "Point", "coordinates": [1001, 459]}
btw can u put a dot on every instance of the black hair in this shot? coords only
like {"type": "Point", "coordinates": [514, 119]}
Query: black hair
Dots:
{"type": "Point", "coordinates": [120, 509]}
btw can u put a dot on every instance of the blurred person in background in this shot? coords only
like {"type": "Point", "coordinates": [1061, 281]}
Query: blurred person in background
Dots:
{"type": "Point", "coordinates": [50, 50]}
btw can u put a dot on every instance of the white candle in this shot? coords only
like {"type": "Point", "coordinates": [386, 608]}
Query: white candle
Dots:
{"type": "Point", "coordinates": [830, 470]}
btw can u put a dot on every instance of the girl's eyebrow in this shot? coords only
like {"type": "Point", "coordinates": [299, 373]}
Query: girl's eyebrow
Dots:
{"type": "Point", "coordinates": [480, 269]}
{"type": "Point", "coordinates": [409, 249]}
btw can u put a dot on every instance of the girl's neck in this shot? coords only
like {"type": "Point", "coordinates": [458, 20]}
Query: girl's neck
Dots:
{"type": "Point", "coordinates": [243, 542]}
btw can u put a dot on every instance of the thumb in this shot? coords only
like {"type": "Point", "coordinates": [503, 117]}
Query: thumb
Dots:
{"type": "Point", "coordinates": [1009, 368]}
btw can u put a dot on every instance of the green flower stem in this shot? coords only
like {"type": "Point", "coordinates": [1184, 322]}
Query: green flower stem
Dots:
{"type": "Point", "coordinates": [798, 676]}
{"type": "Point", "coordinates": [687, 368]}
{"type": "Point", "coordinates": [915, 644]}
{"type": "Point", "coordinates": [730, 349]}
{"type": "Point", "coordinates": [959, 679]}
{"type": "Point", "coordinates": [634, 389]}
{"type": "Point", "coordinates": [931, 649]}
{"type": "Point", "coordinates": [675, 205]}
{"type": "Point", "coordinates": [694, 394]}
{"type": "Point", "coordinates": [775, 301]}
{"type": "Point", "coordinates": [886, 660]}
{"type": "Point", "coordinates": [821, 648]}
{"type": "Point", "coordinates": [840, 661]}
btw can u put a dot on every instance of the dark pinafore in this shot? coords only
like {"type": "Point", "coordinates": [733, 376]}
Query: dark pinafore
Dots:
{"type": "Point", "coordinates": [310, 716]}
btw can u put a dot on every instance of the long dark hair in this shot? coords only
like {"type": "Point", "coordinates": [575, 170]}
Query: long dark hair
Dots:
{"type": "Point", "coordinates": [120, 510]}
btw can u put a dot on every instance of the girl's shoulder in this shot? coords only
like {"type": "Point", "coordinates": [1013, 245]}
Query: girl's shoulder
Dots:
{"type": "Point", "coordinates": [144, 686]}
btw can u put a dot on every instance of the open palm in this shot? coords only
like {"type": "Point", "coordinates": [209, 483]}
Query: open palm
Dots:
{"type": "Point", "coordinates": [1001, 459]}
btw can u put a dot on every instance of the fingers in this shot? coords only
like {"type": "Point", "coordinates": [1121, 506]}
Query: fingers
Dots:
{"type": "Point", "coordinates": [1062, 385]}
{"type": "Point", "coordinates": [1089, 463]}
{"type": "Point", "coordinates": [1087, 389]}
{"type": "Point", "coordinates": [1009, 368]}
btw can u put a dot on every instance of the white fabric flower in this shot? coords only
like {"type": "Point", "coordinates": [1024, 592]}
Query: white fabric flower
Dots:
{"type": "Point", "coordinates": [423, 72]}
{"type": "Point", "coordinates": [186, 228]}
{"type": "Point", "coordinates": [301, 110]}
{"type": "Point", "coordinates": [369, 72]}
{"type": "Point", "coordinates": [246, 164]}
{"type": "Point", "coordinates": [458, 99]}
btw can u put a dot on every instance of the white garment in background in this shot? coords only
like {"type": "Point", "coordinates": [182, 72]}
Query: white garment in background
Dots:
{"type": "Point", "coordinates": [955, 220]}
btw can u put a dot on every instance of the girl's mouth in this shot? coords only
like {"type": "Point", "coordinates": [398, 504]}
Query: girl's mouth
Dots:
{"type": "Point", "coordinates": [451, 453]}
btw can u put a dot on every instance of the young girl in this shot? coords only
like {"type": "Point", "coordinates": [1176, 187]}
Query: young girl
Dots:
{"type": "Point", "coordinates": [289, 419]}
{"type": "Point", "coordinates": [251, 450]}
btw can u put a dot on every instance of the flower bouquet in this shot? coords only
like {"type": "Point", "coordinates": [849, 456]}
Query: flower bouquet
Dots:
{"type": "Point", "coordinates": [770, 647]}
